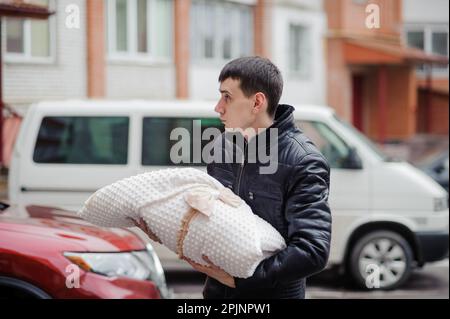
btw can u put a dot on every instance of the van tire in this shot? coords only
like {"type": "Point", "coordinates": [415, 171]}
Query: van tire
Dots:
{"type": "Point", "coordinates": [386, 252]}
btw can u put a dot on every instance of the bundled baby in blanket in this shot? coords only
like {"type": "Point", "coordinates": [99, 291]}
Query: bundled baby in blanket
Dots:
{"type": "Point", "coordinates": [192, 214]}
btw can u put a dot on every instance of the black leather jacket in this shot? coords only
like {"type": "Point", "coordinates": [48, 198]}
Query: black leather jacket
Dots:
{"type": "Point", "coordinates": [294, 200]}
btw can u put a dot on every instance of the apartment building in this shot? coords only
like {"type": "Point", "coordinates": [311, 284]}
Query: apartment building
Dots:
{"type": "Point", "coordinates": [372, 78]}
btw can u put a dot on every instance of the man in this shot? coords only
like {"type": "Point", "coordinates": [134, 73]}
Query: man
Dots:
{"type": "Point", "coordinates": [293, 199]}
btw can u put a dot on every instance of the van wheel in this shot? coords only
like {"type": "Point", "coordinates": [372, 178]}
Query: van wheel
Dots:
{"type": "Point", "coordinates": [380, 259]}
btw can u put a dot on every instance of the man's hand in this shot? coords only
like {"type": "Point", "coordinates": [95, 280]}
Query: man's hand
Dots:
{"type": "Point", "coordinates": [143, 226]}
{"type": "Point", "coordinates": [212, 271]}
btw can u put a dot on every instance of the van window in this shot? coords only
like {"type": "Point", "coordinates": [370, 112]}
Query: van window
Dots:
{"type": "Point", "coordinates": [365, 140]}
{"type": "Point", "coordinates": [156, 142]}
{"type": "Point", "coordinates": [82, 140]}
{"type": "Point", "coordinates": [329, 144]}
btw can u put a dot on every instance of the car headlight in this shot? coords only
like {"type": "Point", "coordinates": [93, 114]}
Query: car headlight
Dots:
{"type": "Point", "coordinates": [440, 204]}
{"type": "Point", "coordinates": [140, 265]}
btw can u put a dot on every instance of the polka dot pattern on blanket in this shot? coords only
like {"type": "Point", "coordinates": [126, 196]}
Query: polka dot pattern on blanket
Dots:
{"type": "Point", "coordinates": [224, 229]}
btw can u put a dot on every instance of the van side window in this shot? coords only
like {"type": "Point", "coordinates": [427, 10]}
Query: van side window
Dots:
{"type": "Point", "coordinates": [156, 142]}
{"type": "Point", "coordinates": [329, 144]}
{"type": "Point", "coordinates": [82, 140]}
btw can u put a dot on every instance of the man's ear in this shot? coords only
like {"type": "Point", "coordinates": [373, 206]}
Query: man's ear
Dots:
{"type": "Point", "coordinates": [260, 102]}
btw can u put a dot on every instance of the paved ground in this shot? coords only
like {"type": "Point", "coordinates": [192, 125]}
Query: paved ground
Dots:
{"type": "Point", "coordinates": [430, 282]}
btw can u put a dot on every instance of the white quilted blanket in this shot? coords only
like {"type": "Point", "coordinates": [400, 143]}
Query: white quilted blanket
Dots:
{"type": "Point", "coordinates": [192, 214]}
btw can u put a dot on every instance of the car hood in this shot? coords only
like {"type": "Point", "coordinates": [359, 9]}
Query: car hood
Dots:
{"type": "Point", "coordinates": [65, 226]}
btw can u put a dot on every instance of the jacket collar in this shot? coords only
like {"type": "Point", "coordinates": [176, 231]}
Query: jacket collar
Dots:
{"type": "Point", "coordinates": [283, 122]}
{"type": "Point", "coordinates": [284, 118]}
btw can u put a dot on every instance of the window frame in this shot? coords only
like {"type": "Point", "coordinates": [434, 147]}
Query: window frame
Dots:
{"type": "Point", "coordinates": [26, 57]}
{"type": "Point", "coordinates": [132, 55]}
{"type": "Point", "coordinates": [428, 31]}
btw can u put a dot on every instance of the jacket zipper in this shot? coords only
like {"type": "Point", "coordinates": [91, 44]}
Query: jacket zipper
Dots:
{"type": "Point", "coordinates": [242, 169]}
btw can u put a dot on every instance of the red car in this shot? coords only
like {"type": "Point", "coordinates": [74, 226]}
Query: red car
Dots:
{"type": "Point", "coordinates": [50, 253]}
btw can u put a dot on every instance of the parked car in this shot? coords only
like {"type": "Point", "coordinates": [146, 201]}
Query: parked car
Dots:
{"type": "Point", "coordinates": [386, 214]}
{"type": "Point", "coordinates": [437, 168]}
{"type": "Point", "coordinates": [46, 252]}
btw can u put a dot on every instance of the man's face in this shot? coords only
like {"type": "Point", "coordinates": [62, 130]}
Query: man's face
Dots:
{"type": "Point", "coordinates": [234, 108]}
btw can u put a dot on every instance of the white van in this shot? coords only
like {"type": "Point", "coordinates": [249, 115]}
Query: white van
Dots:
{"type": "Point", "coordinates": [387, 216]}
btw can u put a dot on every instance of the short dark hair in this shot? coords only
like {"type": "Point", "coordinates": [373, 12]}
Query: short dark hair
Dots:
{"type": "Point", "coordinates": [256, 74]}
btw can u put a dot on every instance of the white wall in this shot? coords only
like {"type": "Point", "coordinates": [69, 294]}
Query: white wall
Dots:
{"type": "Point", "coordinates": [64, 77]}
{"type": "Point", "coordinates": [429, 11]}
{"type": "Point", "coordinates": [203, 81]}
{"type": "Point", "coordinates": [134, 80]}
{"type": "Point", "coordinates": [312, 89]}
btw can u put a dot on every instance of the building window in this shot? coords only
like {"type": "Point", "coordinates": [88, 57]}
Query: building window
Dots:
{"type": "Point", "coordinates": [439, 43]}
{"type": "Point", "coordinates": [432, 40]}
{"type": "Point", "coordinates": [220, 31]}
{"type": "Point", "coordinates": [416, 39]}
{"type": "Point", "coordinates": [140, 29]}
{"type": "Point", "coordinates": [28, 39]}
{"type": "Point", "coordinates": [121, 26]}
{"type": "Point", "coordinates": [299, 51]}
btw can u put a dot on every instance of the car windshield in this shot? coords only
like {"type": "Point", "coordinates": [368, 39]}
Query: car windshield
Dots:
{"type": "Point", "coordinates": [364, 140]}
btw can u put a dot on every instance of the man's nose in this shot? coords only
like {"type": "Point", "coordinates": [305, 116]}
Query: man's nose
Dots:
{"type": "Point", "coordinates": [219, 107]}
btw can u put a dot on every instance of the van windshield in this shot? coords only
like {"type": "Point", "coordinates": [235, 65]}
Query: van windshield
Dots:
{"type": "Point", "coordinates": [365, 140]}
